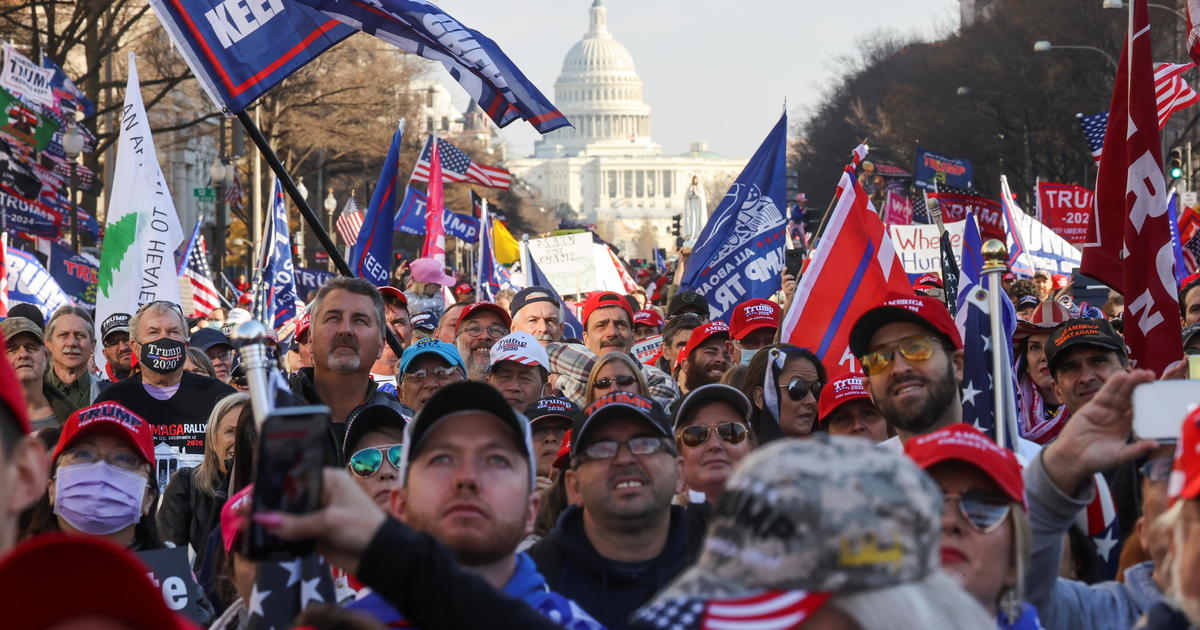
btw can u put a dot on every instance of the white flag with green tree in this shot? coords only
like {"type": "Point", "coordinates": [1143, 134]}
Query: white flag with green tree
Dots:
{"type": "Point", "coordinates": [141, 231]}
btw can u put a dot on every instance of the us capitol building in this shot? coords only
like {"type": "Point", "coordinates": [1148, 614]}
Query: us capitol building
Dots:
{"type": "Point", "coordinates": [607, 167]}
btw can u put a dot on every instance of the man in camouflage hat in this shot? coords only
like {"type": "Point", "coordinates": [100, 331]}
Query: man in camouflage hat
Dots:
{"type": "Point", "coordinates": [821, 533]}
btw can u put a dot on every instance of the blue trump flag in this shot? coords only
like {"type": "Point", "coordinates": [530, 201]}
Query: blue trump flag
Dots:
{"type": "Point", "coordinates": [75, 274]}
{"type": "Point", "coordinates": [29, 282]}
{"type": "Point", "coordinates": [739, 254]}
{"type": "Point", "coordinates": [933, 170]}
{"type": "Point", "coordinates": [410, 219]}
{"type": "Point", "coordinates": [239, 50]}
{"type": "Point", "coordinates": [1181, 271]}
{"type": "Point", "coordinates": [371, 256]}
{"type": "Point", "coordinates": [474, 60]}
{"type": "Point", "coordinates": [534, 277]}
{"type": "Point", "coordinates": [278, 282]}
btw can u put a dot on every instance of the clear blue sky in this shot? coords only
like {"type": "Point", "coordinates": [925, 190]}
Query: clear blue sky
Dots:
{"type": "Point", "coordinates": [715, 71]}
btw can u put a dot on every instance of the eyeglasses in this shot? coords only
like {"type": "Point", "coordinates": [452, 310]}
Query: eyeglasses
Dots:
{"type": "Point", "coordinates": [368, 461]}
{"type": "Point", "coordinates": [475, 330]}
{"type": "Point", "coordinates": [114, 340]}
{"type": "Point", "coordinates": [608, 449]}
{"type": "Point", "coordinates": [437, 373]}
{"type": "Point", "coordinates": [697, 434]}
{"type": "Point", "coordinates": [798, 388]}
{"type": "Point", "coordinates": [984, 512]}
{"type": "Point", "coordinates": [88, 455]}
{"type": "Point", "coordinates": [1158, 469]}
{"type": "Point", "coordinates": [914, 348]}
{"type": "Point", "coordinates": [623, 380]}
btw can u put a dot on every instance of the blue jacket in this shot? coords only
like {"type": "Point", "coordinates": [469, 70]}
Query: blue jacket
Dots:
{"type": "Point", "coordinates": [526, 584]}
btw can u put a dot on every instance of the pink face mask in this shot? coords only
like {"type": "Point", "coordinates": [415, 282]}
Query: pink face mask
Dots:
{"type": "Point", "coordinates": [98, 498]}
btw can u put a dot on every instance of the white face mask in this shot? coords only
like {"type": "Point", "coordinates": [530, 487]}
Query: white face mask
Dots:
{"type": "Point", "coordinates": [748, 354]}
{"type": "Point", "coordinates": [99, 498]}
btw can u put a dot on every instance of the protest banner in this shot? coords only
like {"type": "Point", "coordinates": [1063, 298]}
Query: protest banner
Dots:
{"type": "Point", "coordinates": [567, 261]}
{"type": "Point", "coordinates": [1043, 248]}
{"type": "Point", "coordinates": [897, 209]}
{"type": "Point", "coordinates": [171, 572]}
{"type": "Point", "coordinates": [29, 282]}
{"type": "Point", "coordinates": [75, 274]}
{"type": "Point", "coordinates": [933, 169]}
{"type": "Point", "coordinates": [410, 218]}
{"type": "Point", "coordinates": [1066, 209]}
{"type": "Point", "coordinates": [647, 349]}
{"type": "Point", "coordinates": [988, 214]}
{"type": "Point", "coordinates": [917, 246]}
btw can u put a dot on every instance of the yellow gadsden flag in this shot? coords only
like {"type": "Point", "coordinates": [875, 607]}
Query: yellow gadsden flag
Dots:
{"type": "Point", "coordinates": [506, 248]}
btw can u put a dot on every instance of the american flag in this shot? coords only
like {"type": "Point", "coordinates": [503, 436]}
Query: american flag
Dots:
{"type": "Point", "coordinates": [1093, 129]}
{"type": "Point", "coordinates": [204, 293]}
{"type": "Point", "coordinates": [233, 192]}
{"type": "Point", "coordinates": [457, 166]}
{"type": "Point", "coordinates": [920, 213]}
{"type": "Point", "coordinates": [349, 222]}
{"type": "Point", "coordinates": [770, 609]}
{"type": "Point", "coordinates": [1171, 91]}
{"type": "Point", "coordinates": [1099, 521]}
{"type": "Point", "coordinates": [282, 590]}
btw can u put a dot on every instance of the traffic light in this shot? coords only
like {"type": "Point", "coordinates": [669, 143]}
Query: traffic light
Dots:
{"type": "Point", "coordinates": [1175, 165]}
{"type": "Point", "coordinates": [677, 229]}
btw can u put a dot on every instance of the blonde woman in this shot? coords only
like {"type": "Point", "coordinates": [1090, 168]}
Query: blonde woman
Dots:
{"type": "Point", "coordinates": [615, 372]}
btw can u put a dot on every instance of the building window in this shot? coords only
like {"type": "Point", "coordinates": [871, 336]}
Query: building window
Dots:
{"type": "Point", "coordinates": [429, 124]}
{"type": "Point", "coordinates": [641, 184]}
{"type": "Point", "coordinates": [628, 176]}
{"type": "Point", "coordinates": [668, 183]}
{"type": "Point", "coordinates": [445, 123]}
{"type": "Point", "coordinates": [651, 179]}
{"type": "Point", "coordinates": [612, 184]}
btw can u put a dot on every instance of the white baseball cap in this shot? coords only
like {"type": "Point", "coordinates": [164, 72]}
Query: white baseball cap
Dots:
{"type": "Point", "coordinates": [522, 348]}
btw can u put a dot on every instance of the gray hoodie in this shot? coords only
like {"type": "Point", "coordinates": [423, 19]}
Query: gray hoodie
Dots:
{"type": "Point", "coordinates": [1064, 604]}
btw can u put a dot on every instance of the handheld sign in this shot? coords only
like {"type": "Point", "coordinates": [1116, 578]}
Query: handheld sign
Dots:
{"type": "Point", "coordinates": [170, 572]}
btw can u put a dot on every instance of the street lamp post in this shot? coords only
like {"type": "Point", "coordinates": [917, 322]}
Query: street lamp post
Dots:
{"type": "Point", "coordinates": [1045, 46]}
{"type": "Point", "coordinates": [72, 143]}
{"type": "Point", "coordinates": [330, 206]}
{"type": "Point", "coordinates": [217, 173]}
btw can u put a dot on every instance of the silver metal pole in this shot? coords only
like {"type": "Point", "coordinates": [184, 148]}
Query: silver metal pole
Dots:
{"type": "Point", "coordinates": [995, 262]}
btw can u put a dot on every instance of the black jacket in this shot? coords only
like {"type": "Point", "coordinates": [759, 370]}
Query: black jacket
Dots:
{"type": "Point", "coordinates": [611, 591]}
{"type": "Point", "coordinates": [304, 393]}
{"type": "Point", "coordinates": [187, 513]}
{"type": "Point", "coordinates": [421, 578]}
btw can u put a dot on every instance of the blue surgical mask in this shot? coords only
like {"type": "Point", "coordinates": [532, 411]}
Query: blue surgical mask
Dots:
{"type": "Point", "coordinates": [748, 354]}
{"type": "Point", "coordinates": [99, 498]}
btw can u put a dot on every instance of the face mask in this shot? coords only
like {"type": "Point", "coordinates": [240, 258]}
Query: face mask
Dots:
{"type": "Point", "coordinates": [98, 498]}
{"type": "Point", "coordinates": [747, 355]}
{"type": "Point", "coordinates": [162, 355]}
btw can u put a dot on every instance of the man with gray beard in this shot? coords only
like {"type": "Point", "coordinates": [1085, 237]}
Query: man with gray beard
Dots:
{"type": "Point", "coordinates": [347, 337]}
{"type": "Point", "coordinates": [479, 327]}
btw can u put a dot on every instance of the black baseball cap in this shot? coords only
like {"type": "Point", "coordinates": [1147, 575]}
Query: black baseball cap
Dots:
{"type": "Point", "coordinates": [30, 312]}
{"type": "Point", "coordinates": [206, 338]}
{"type": "Point", "coordinates": [687, 299]}
{"type": "Point", "coordinates": [710, 393]}
{"type": "Point", "coordinates": [1190, 331]}
{"type": "Point", "coordinates": [369, 418]}
{"type": "Point", "coordinates": [618, 405]}
{"type": "Point", "coordinates": [117, 322]}
{"type": "Point", "coordinates": [424, 321]}
{"type": "Point", "coordinates": [1081, 332]}
{"type": "Point", "coordinates": [552, 407]}
{"type": "Point", "coordinates": [531, 295]}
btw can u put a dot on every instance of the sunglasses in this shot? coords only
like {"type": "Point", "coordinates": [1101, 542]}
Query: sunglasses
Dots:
{"type": "Point", "coordinates": [914, 348]}
{"type": "Point", "coordinates": [1158, 469]}
{"type": "Point", "coordinates": [984, 512]}
{"type": "Point", "coordinates": [623, 380]}
{"type": "Point", "coordinates": [608, 449]}
{"type": "Point", "coordinates": [368, 461]}
{"type": "Point", "coordinates": [798, 388]}
{"type": "Point", "coordinates": [697, 435]}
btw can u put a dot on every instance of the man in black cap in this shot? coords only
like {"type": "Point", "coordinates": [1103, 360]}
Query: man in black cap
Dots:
{"type": "Point", "coordinates": [118, 352]}
{"type": "Point", "coordinates": [216, 345]}
{"type": "Point", "coordinates": [688, 302]}
{"type": "Point", "coordinates": [1081, 355]}
{"type": "Point", "coordinates": [372, 450]}
{"type": "Point", "coordinates": [549, 420]}
{"type": "Point", "coordinates": [1191, 341]}
{"type": "Point", "coordinates": [536, 311]}
{"type": "Point", "coordinates": [620, 540]}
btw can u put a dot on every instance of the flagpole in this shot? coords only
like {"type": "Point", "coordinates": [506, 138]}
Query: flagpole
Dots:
{"type": "Point", "coordinates": [314, 222]}
{"type": "Point", "coordinates": [995, 261]}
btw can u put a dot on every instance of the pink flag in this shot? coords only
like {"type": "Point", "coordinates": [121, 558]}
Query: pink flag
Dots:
{"type": "Point", "coordinates": [853, 266]}
{"type": "Point", "coordinates": [435, 231]}
{"type": "Point", "coordinates": [897, 209]}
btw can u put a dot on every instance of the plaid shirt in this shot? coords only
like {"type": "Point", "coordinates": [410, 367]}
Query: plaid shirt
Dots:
{"type": "Point", "coordinates": [573, 364]}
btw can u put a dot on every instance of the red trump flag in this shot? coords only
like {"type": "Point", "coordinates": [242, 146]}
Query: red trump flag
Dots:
{"type": "Point", "coordinates": [1129, 239]}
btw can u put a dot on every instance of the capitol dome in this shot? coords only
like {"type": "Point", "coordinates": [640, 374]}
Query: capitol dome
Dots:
{"type": "Point", "coordinates": [601, 94]}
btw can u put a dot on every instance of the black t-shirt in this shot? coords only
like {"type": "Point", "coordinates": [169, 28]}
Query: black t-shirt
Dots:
{"type": "Point", "coordinates": [178, 422]}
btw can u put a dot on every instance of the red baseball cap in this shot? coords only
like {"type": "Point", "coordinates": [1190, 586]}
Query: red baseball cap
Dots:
{"type": "Point", "coordinates": [647, 318]}
{"type": "Point", "coordinates": [231, 521]}
{"type": "Point", "coordinates": [1190, 279]}
{"type": "Point", "coordinates": [92, 578]}
{"type": "Point", "coordinates": [699, 335]}
{"type": "Point", "coordinates": [479, 307]}
{"type": "Point", "coordinates": [11, 396]}
{"type": "Point", "coordinates": [753, 315]}
{"type": "Point", "coordinates": [602, 299]}
{"type": "Point", "coordinates": [110, 418]}
{"type": "Point", "coordinates": [841, 390]}
{"type": "Point", "coordinates": [393, 292]}
{"type": "Point", "coordinates": [462, 288]}
{"type": "Point", "coordinates": [900, 307]}
{"type": "Point", "coordinates": [965, 443]}
{"type": "Point", "coordinates": [1185, 471]}
{"type": "Point", "coordinates": [303, 325]}
{"type": "Point", "coordinates": [928, 281]}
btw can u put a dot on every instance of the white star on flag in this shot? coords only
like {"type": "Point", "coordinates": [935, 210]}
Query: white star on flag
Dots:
{"type": "Point", "coordinates": [256, 601]}
{"type": "Point", "coordinates": [310, 593]}
{"type": "Point", "coordinates": [969, 393]}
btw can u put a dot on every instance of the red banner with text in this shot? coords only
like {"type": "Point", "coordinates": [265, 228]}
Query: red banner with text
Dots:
{"type": "Point", "coordinates": [1066, 209]}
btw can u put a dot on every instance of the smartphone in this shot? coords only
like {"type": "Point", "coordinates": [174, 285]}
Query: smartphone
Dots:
{"type": "Point", "coordinates": [1159, 408]}
{"type": "Point", "coordinates": [794, 261]}
{"type": "Point", "coordinates": [293, 445]}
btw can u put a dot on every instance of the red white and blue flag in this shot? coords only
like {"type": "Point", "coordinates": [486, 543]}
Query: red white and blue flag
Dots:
{"type": "Point", "coordinates": [854, 263]}
{"type": "Point", "coordinates": [371, 255]}
{"type": "Point", "coordinates": [769, 610]}
{"type": "Point", "coordinates": [457, 166]}
{"type": "Point", "coordinates": [277, 305]}
{"type": "Point", "coordinates": [194, 267]}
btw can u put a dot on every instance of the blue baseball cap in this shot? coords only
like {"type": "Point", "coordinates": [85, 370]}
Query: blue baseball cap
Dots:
{"type": "Point", "coordinates": [431, 346]}
{"type": "Point", "coordinates": [424, 321]}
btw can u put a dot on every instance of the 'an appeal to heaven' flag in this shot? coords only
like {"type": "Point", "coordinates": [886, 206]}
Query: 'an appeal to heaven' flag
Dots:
{"type": "Point", "coordinates": [239, 50]}
{"type": "Point", "coordinates": [739, 253]}
{"type": "Point", "coordinates": [1129, 241]}
{"type": "Point", "coordinates": [457, 166]}
{"type": "Point", "coordinates": [137, 256]}
{"type": "Point", "coordinates": [371, 256]}
{"type": "Point", "coordinates": [854, 260]}
{"type": "Point", "coordinates": [278, 275]}
{"type": "Point", "coordinates": [410, 219]}
{"type": "Point", "coordinates": [475, 61]}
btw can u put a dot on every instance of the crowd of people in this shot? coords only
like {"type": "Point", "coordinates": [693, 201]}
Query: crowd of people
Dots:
{"type": "Point", "coordinates": [500, 469]}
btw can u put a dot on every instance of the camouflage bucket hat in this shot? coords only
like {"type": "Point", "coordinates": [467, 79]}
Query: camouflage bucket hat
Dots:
{"type": "Point", "coordinates": [828, 514]}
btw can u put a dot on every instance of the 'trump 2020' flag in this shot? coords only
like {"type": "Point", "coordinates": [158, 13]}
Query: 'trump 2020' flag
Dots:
{"type": "Point", "coordinates": [853, 267]}
{"type": "Point", "coordinates": [29, 282]}
{"type": "Point", "coordinates": [1129, 239]}
{"type": "Point", "coordinates": [371, 255]}
{"type": "Point", "coordinates": [137, 256]}
{"type": "Point", "coordinates": [475, 61]}
{"type": "Point", "coordinates": [739, 253]}
{"type": "Point", "coordinates": [239, 50]}
{"type": "Point", "coordinates": [278, 276]}
{"type": "Point", "coordinates": [410, 218]}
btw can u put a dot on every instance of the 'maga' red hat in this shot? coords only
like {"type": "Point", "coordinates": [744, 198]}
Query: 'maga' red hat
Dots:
{"type": "Point", "coordinates": [112, 419]}
{"type": "Point", "coordinates": [753, 315]}
{"type": "Point", "coordinates": [602, 299]}
{"type": "Point", "coordinates": [699, 335]}
{"type": "Point", "coordinates": [899, 307]}
{"type": "Point", "coordinates": [965, 443]}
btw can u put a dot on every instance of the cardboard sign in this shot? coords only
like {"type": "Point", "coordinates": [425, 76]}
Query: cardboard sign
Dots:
{"type": "Point", "coordinates": [170, 572]}
{"type": "Point", "coordinates": [567, 261]}
{"type": "Point", "coordinates": [918, 246]}
{"type": "Point", "coordinates": [1066, 209]}
{"type": "Point", "coordinates": [647, 349]}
